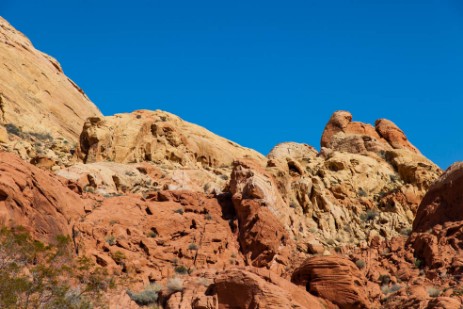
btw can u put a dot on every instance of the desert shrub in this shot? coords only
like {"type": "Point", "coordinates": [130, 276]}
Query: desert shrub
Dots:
{"type": "Point", "coordinates": [110, 240]}
{"type": "Point", "coordinates": [433, 292]}
{"type": "Point", "coordinates": [406, 231]}
{"type": "Point", "coordinates": [182, 270]}
{"type": "Point", "coordinates": [42, 136]}
{"type": "Point", "coordinates": [418, 263]}
{"type": "Point", "coordinates": [384, 279]}
{"type": "Point", "coordinates": [36, 275]}
{"type": "Point", "coordinates": [179, 211]}
{"type": "Point", "coordinates": [360, 264]}
{"type": "Point", "coordinates": [203, 281]}
{"type": "Point", "coordinates": [390, 289]}
{"type": "Point", "coordinates": [361, 192]}
{"type": "Point", "coordinates": [394, 178]}
{"type": "Point", "coordinates": [193, 247]}
{"type": "Point", "coordinates": [146, 297]}
{"type": "Point", "coordinates": [175, 285]}
{"type": "Point", "coordinates": [208, 217]}
{"type": "Point", "coordinates": [89, 189]}
{"type": "Point", "coordinates": [369, 215]}
{"type": "Point", "coordinates": [13, 129]}
{"type": "Point", "coordinates": [118, 257]}
{"type": "Point", "coordinates": [152, 234]}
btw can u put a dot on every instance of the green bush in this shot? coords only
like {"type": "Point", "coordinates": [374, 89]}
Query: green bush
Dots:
{"type": "Point", "coordinates": [390, 289]}
{"type": "Point", "coordinates": [35, 275]}
{"type": "Point", "coordinates": [360, 264]}
{"type": "Point", "coordinates": [193, 247]}
{"type": "Point", "coordinates": [182, 270]}
{"type": "Point", "coordinates": [179, 211]}
{"type": "Point", "coordinates": [111, 240]}
{"type": "Point", "coordinates": [13, 129]}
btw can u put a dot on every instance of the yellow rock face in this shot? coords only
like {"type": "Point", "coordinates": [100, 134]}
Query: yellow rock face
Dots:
{"type": "Point", "coordinates": [35, 95]}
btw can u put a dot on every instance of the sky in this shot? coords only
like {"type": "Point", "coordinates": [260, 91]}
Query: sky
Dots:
{"type": "Point", "coordinates": [264, 72]}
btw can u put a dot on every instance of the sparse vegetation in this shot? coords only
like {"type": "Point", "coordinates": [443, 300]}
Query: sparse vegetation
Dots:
{"type": "Point", "coordinates": [13, 129]}
{"type": "Point", "coordinates": [360, 264]}
{"type": "Point", "coordinates": [384, 279]}
{"type": "Point", "coordinates": [369, 215]}
{"type": "Point", "coordinates": [362, 193]}
{"type": "Point", "coordinates": [36, 275]}
{"type": "Point", "coordinates": [146, 297]}
{"type": "Point", "coordinates": [118, 257]}
{"type": "Point", "coordinates": [386, 289]}
{"type": "Point", "coordinates": [181, 270]}
{"type": "Point", "coordinates": [152, 234]}
{"type": "Point", "coordinates": [179, 211]}
{"type": "Point", "coordinates": [418, 263]}
{"type": "Point", "coordinates": [208, 217]}
{"type": "Point", "coordinates": [433, 292]}
{"type": "Point", "coordinates": [406, 231]}
{"type": "Point", "coordinates": [193, 247]}
{"type": "Point", "coordinates": [175, 285]}
{"type": "Point", "coordinates": [110, 240]}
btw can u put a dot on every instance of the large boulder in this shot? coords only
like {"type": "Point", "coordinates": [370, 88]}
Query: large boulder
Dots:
{"type": "Point", "coordinates": [333, 278]}
{"type": "Point", "coordinates": [437, 230]}
{"type": "Point", "coordinates": [247, 288]}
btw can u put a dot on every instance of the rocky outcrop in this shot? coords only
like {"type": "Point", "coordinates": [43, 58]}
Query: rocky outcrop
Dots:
{"type": "Point", "coordinates": [35, 95]}
{"type": "Point", "coordinates": [368, 180]}
{"type": "Point", "coordinates": [247, 288]}
{"type": "Point", "coordinates": [261, 216]}
{"type": "Point", "coordinates": [437, 229]}
{"type": "Point", "coordinates": [344, 135]}
{"type": "Point", "coordinates": [31, 198]}
{"type": "Point", "coordinates": [333, 278]}
{"type": "Point", "coordinates": [157, 137]}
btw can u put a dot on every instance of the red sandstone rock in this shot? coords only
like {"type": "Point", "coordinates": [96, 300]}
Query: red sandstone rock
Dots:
{"type": "Point", "coordinates": [34, 199]}
{"type": "Point", "coordinates": [333, 278]}
{"type": "Point", "coordinates": [395, 137]}
{"type": "Point", "coordinates": [437, 230]}
{"type": "Point", "coordinates": [247, 288]}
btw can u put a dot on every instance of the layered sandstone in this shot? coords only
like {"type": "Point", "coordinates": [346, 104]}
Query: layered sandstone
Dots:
{"type": "Point", "coordinates": [35, 95]}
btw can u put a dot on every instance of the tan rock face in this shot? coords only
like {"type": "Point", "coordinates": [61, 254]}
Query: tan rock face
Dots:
{"type": "Point", "coordinates": [365, 181]}
{"type": "Point", "coordinates": [260, 211]}
{"type": "Point", "coordinates": [186, 156]}
{"type": "Point", "coordinates": [158, 137]}
{"type": "Point", "coordinates": [35, 95]}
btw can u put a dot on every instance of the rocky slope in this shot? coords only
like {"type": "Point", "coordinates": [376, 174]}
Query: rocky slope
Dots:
{"type": "Point", "coordinates": [179, 217]}
{"type": "Point", "coordinates": [40, 107]}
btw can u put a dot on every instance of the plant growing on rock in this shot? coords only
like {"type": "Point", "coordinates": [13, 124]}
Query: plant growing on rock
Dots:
{"type": "Point", "coordinates": [175, 285]}
{"type": "Point", "coordinates": [433, 292]}
{"type": "Point", "coordinates": [146, 297]}
{"type": "Point", "coordinates": [193, 247]}
{"type": "Point", "coordinates": [36, 275]}
{"type": "Point", "coordinates": [386, 289]}
{"type": "Point", "coordinates": [182, 270]}
{"type": "Point", "coordinates": [360, 264]}
{"type": "Point", "coordinates": [111, 240]}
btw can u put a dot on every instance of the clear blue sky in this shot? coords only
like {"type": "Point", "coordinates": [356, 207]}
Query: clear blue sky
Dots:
{"type": "Point", "coordinates": [264, 72]}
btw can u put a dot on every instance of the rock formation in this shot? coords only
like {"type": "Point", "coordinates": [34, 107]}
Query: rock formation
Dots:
{"type": "Point", "coordinates": [35, 95]}
{"type": "Point", "coordinates": [179, 217]}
